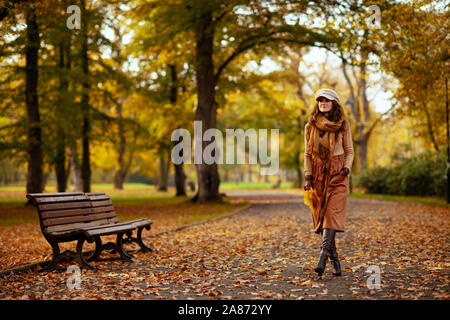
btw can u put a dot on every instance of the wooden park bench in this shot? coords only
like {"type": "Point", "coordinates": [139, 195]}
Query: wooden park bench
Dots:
{"type": "Point", "coordinates": [70, 216]}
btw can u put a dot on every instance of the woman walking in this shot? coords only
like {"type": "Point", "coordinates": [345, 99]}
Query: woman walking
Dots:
{"type": "Point", "coordinates": [328, 139]}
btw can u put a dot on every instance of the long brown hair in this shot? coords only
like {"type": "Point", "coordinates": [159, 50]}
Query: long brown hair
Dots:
{"type": "Point", "coordinates": [336, 113]}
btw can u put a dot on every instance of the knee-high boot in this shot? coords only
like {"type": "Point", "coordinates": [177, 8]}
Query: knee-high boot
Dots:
{"type": "Point", "coordinates": [328, 236]}
{"type": "Point", "coordinates": [335, 259]}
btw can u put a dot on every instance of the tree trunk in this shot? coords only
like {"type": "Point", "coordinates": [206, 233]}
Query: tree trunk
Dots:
{"type": "Point", "coordinates": [430, 127]}
{"type": "Point", "coordinates": [362, 151]}
{"type": "Point", "coordinates": [119, 179]}
{"type": "Point", "coordinates": [225, 176]}
{"type": "Point", "coordinates": [207, 174]}
{"type": "Point", "coordinates": [299, 179]}
{"type": "Point", "coordinates": [298, 169]}
{"type": "Point", "coordinates": [120, 173]}
{"type": "Point", "coordinates": [363, 138]}
{"type": "Point", "coordinates": [363, 85]}
{"type": "Point", "coordinates": [60, 161]}
{"type": "Point", "coordinates": [34, 174]}
{"type": "Point", "coordinates": [75, 170]}
{"type": "Point", "coordinates": [362, 120]}
{"type": "Point", "coordinates": [180, 177]}
{"type": "Point", "coordinates": [164, 165]}
{"type": "Point", "coordinates": [86, 164]}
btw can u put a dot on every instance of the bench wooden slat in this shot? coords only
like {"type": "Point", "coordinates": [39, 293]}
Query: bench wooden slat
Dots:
{"type": "Point", "coordinates": [67, 205]}
{"type": "Point", "coordinates": [103, 209]}
{"type": "Point", "coordinates": [65, 213]}
{"type": "Point", "coordinates": [76, 226]}
{"type": "Point", "coordinates": [61, 199]}
{"type": "Point", "coordinates": [99, 197]}
{"type": "Point", "coordinates": [138, 223]}
{"type": "Point", "coordinates": [118, 223]}
{"type": "Point", "coordinates": [74, 219]}
{"type": "Point", "coordinates": [109, 230]}
{"type": "Point", "coordinates": [101, 203]}
{"type": "Point", "coordinates": [38, 195]}
{"type": "Point", "coordinates": [142, 222]}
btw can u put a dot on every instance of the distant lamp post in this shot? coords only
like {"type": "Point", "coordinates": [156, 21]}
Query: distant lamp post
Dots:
{"type": "Point", "coordinates": [350, 102]}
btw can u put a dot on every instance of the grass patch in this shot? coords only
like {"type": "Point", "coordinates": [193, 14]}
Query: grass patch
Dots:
{"type": "Point", "coordinates": [252, 185]}
{"type": "Point", "coordinates": [129, 204]}
{"type": "Point", "coordinates": [16, 195]}
{"type": "Point", "coordinates": [411, 199]}
{"type": "Point", "coordinates": [51, 187]}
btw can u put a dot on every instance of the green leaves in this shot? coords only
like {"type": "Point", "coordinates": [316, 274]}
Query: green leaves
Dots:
{"type": "Point", "coordinates": [421, 175]}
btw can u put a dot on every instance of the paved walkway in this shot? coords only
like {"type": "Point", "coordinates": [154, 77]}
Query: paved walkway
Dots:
{"type": "Point", "coordinates": [269, 251]}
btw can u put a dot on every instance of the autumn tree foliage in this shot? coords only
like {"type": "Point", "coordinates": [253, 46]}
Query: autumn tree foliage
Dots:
{"type": "Point", "coordinates": [223, 31]}
{"type": "Point", "coordinates": [108, 95]}
{"type": "Point", "coordinates": [415, 46]}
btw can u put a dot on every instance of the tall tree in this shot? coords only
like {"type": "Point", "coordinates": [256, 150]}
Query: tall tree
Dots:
{"type": "Point", "coordinates": [206, 112]}
{"type": "Point", "coordinates": [180, 177]}
{"type": "Point", "coordinates": [360, 107]}
{"type": "Point", "coordinates": [34, 176]}
{"type": "Point", "coordinates": [60, 161]}
{"type": "Point", "coordinates": [86, 162]}
{"type": "Point", "coordinates": [360, 42]}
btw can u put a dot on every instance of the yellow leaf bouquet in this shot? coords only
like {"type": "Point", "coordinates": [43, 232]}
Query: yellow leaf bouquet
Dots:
{"type": "Point", "coordinates": [311, 199]}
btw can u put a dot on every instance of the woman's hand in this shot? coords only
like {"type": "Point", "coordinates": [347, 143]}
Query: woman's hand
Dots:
{"type": "Point", "coordinates": [308, 182]}
{"type": "Point", "coordinates": [344, 171]}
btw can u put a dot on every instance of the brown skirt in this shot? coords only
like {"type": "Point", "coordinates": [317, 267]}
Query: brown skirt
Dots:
{"type": "Point", "coordinates": [332, 192]}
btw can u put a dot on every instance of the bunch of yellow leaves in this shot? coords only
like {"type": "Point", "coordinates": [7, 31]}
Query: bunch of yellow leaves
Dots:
{"type": "Point", "coordinates": [311, 199]}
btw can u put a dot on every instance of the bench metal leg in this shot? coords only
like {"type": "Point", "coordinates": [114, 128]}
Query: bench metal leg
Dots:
{"type": "Point", "coordinates": [79, 256]}
{"type": "Point", "coordinates": [98, 250]}
{"type": "Point", "coordinates": [123, 254]}
{"type": "Point", "coordinates": [113, 247]}
{"type": "Point", "coordinates": [144, 248]}
{"type": "Point", "coordinates": [67, 255]}
{"type": "Point", "coordinates": [57, 257]}
{"type": "Point", "coordinates": [138, 239]}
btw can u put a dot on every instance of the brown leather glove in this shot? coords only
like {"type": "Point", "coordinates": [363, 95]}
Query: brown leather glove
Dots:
{"type": "Point", "coordinates": [308, 182]}
{"type": "Point", "coordinates": [344, 171]}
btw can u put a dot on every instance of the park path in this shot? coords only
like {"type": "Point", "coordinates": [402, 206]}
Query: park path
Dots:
{"type": "Point", "coordinates": [268, 251]}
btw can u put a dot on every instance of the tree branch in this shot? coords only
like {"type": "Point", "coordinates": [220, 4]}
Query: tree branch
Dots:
{"type": "Point", "coordinates": [350, 85]}
{"type": "Point", "coordinates": [369, 131]}
{"type": "Point", "coordinates": [258, 39]}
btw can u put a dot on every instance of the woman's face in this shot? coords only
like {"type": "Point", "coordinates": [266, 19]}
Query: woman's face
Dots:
{"type": "Point", "coordinates": [325, 105]}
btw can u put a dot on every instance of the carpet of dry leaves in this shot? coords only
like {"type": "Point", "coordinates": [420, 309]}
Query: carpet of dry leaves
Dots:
{"type": "Point", "coordinates": [268, 251]}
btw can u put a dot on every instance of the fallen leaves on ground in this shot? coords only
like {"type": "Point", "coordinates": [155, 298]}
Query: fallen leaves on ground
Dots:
{"type": "Point", "coordinates": [269, 252]}
{"type": "Point", "coordinates": [23, 243]}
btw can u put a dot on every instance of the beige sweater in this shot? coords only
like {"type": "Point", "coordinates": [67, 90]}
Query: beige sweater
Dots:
{"type": "Point", "coordinates": [344, 145]}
